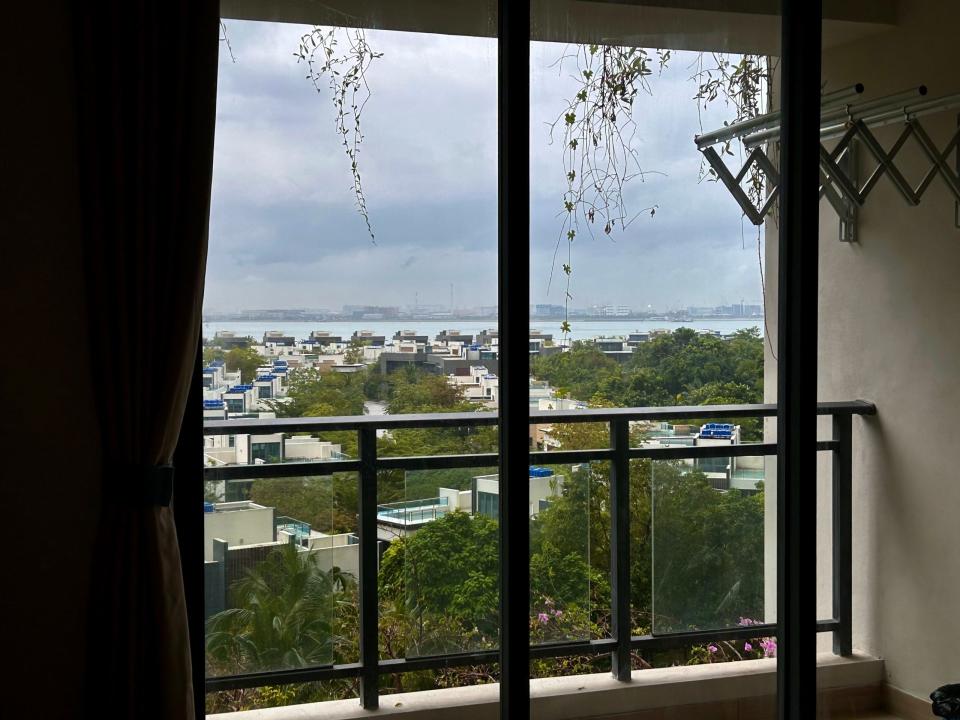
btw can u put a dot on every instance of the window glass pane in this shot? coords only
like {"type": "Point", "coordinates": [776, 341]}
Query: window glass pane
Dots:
{"type": "Point", "coordinates": [569, 597]}
{"type": "Point", "coordinates": [281, 572]}
{"type": "Point", "coordinates": [352, 272]}
{"type": "Point", "coordinates": [440, 576]}
{"type": "Point", "coordinates": [648, 289]}
{"type": "Point", "coordinates": [708, 540]}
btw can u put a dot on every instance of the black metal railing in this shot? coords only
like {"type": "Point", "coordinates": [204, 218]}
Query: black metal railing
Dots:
{"type": "Point", "coordinates": [620, 642]}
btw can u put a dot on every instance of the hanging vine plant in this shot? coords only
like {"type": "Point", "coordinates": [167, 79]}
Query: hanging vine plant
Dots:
{"type": "Point", "coordinates": [745, 84]}
{"type": "Point", "coordinates": [742, 82]}
{"type": "Point", "coordinates": [598, 129]}
{"type": "Point", "coordinates": [337, 61]}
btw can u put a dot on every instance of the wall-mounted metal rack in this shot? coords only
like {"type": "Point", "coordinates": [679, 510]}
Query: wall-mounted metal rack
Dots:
{"type": "Point", "coordinates": [851, 124]}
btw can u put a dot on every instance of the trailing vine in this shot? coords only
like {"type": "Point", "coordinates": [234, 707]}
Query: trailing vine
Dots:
{"type": "Point", "coordinates": [225, 39]}
{"type": "Point", "coordinates": [599, 129]}
{"type": "Point", "coordinates": [597, 124]}
{"type": "Point", "coordinates": [599, 159]}
{"type": "Point", "coordinates": [337, 61]}
{"type": "Point", "coordinates": [742, 82]}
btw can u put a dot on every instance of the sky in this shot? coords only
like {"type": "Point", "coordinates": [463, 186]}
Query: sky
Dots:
{"type": "Point", "coordinates": [285, 232]}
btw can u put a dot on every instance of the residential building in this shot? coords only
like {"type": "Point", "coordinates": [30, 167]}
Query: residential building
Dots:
{"type": "Point", "coordinates": [239, 535]}
{"type": "Point", "coordinates": [549, 311]}
{"type": "Point", "coordinates": [276, 339]}
{"type": "Point", "coordinates": [368, 337]}
{"type": "Point", "coordinates": [447, 337]}
{"type": "Point", "coordinates": [410, 336]}
{"type": "Point", "coordinates": [228, 340]}
{"type": "Point", "coordinates": [478, 385]}
{"type": "Point", "coordinates": [545, 485]}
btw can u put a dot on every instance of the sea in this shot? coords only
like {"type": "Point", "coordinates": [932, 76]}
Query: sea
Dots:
{"type": "Point", "coordinates": [579, 330]}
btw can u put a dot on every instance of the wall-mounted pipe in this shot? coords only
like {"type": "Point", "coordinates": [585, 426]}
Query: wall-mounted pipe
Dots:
{"type": "Point", "coordinates": [841, 117]}
{"type": "Point", "coordinates": [771, 119]}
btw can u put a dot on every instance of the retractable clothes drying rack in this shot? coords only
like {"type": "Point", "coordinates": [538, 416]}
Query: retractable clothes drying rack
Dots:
{"type": "Point", "coordinates": [851, 124]}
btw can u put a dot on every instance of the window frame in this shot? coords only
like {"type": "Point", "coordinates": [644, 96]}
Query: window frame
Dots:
{"type": "Point", "coordinates": [801, 24]}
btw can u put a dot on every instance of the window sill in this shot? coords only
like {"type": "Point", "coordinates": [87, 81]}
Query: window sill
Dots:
{"type": "Point", "coordinates": [724, 690]}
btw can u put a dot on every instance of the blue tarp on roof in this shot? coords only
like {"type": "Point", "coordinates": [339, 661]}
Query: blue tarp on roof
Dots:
{"type": "Point", "coordinates": [536, 471]}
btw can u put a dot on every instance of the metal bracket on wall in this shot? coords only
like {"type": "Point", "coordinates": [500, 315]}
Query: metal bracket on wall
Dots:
{"type": "Point", "coordinates": [840, 181]}
{"type": "Point", "coordinates": [846, 209]}
{"type": "Point", "coordinates": [732, 182]}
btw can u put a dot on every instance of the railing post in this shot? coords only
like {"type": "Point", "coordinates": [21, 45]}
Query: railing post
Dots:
{"type": "Point", "coordinates": [369, 598]}
{"type": "Point", "coordinates": [620, 548]}
{"type": "Point", "coordinates": [843, 534]}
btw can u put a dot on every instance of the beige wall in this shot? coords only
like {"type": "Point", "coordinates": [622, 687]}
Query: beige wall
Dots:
{"type": "Point", "coordinates": [889, 334]}
{"type": "Point", "coordinates": [250, 525]}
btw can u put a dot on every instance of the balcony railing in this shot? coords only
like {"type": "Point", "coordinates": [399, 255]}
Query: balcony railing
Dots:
{"type": "Point", "coordinates": [620, 642]}
{"type": "Point", "coordinates": [295, 527]}
{"type": "Point", "coordinates": [413, 512]}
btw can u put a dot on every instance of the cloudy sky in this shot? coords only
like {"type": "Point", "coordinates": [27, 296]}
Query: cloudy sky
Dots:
{"type": "Point", "coordinates": [285, 232]}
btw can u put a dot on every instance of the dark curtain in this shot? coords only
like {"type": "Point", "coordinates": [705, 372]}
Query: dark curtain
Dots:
{"type": "Point", "coordinates": [146, 80]}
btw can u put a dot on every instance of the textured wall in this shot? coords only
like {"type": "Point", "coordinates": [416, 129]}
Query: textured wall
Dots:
{"type": "Point", "coordinates": [889, 333]}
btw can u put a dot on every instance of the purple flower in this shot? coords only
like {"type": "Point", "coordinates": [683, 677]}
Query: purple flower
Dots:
{"type": "Point", "coordinates": [543, 618]}
{"type": "Point", "coordinates": [712, 648]}
{"type": "Point", "coordinates": [557, 613]}
{"type": "Point", "coordinates": [769, 647]}
{"type": "Point", "coordinates": [747, 647]}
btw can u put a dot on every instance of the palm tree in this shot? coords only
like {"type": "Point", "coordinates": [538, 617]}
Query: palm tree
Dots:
{"type": "Point", "coordinates": [283, 616]}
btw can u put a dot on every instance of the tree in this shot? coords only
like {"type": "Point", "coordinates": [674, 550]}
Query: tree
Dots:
{"type": "Point", "coordinates": [682, 367]}
{"type": "Point", "coordinates": [246, 360]}
{"type": "Point", "coordinates": [696, 553]}
{"type": "Point", "coordinates": [578, 372]}
{"type": "Point", "coordinates": [312, 393]}
{"type": "Point", "coordinates": [641, 387]}
{"type": "Point", "coordinates": [283, 616]}
{"type": "Point", "coordinates": [446, 577]}
{"type": "Point", "coordinates": [684, 360]}
{"type": "Point", "coordinates": [212, 353]}
{"type": "Point", "coordinates": [420, 392]}
{"type": "Point", "coordinates": [353, 355]}
{"type": "Point", "coordinates": [708, 552]}
{"type": "Point", "coordinates": [328, 504]}
{"type": "Point", "coordinates": [727, 393]}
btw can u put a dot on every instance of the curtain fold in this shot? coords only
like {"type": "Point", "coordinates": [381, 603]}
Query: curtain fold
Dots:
{"type": "Point", "coordinates": [146, 79]}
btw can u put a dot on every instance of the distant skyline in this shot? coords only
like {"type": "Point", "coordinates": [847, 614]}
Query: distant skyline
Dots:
{"type": "Point", "coordinates": [437, 308]}
{"type": "Point", "coordinates": [285, 233]}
